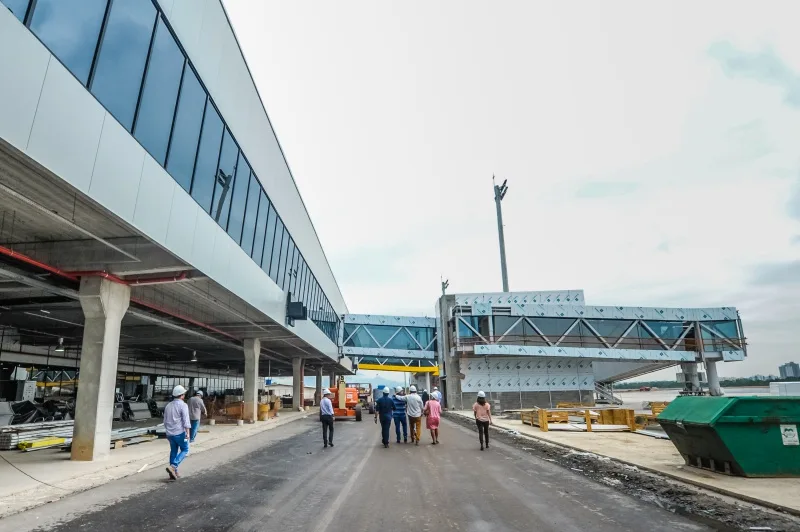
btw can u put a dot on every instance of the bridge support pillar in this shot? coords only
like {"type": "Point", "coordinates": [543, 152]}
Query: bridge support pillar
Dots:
{"type": "Point", "coordinates": [714, 387]}
{"type": "Point", "coordinates": [104, 304]}
{"type": "Point", "coordinates": [318, 391]}
{"type": "Point", "coordinates": [298, 388]}
{"type": "Point", "coordinates": [252, 352]}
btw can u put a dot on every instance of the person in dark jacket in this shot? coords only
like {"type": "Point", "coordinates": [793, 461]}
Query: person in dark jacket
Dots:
{"type": "Point", "coordinates": [384, 407]}
{"type": "Point", "coordinates": [425, 397]}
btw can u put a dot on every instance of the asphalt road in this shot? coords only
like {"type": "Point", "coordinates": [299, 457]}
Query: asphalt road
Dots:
{"type": "Point", "coordinates": [283, 480]}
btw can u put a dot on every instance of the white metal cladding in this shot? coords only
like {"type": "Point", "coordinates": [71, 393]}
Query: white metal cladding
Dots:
{"type": "Point", "coordinates": [601, 312]}
{"type": "Point", "coordinates": [521, 298]}
{"type": "Point", "coordinates": [584, 352]}
{"type": "Point", "coordinates": [203, 28]}
{"type": "Point", "coordinates": [388, 353]}
{"type": "Point", "coordinates": [403, 321]}
{"type": "Point", "coordinates": [512, 374]}
{"type": "Point", "coordinates": [70, 133]}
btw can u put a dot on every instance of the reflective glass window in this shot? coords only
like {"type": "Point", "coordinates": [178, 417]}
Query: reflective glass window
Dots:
{"type": "Point", "coordinates": [269, 239]}
{"type": "Point", "coordinates": [239, 200]}
{"type": "Point", "coordinates": [17, 7]}
{"type": "Point", "coordinates": [283, 258]}
{"type": "Point", "coordinates": [261, 227]}
{"type": "Point", "coordinates": [160, 94]}
{"type": "Point", "coordinates": [509, 327]}
{"type": "Point", "coordinates": [357, 336]}
{"type": "Point", "coordinates": [301, 279]}
{"type": "Point", "coordinates": [276, 251]}
{"type": "Point", "coordinates": [223, 181]}
{"type": "Point", "coordinates": [186, 133]}
{"type": "Point", "coordinates": [250, 215]}
{"type": "Point", "coordinates": [423, 335]}
{"type": "Point", "coordinates": [205, 170]}
{"type": "Point", "coordinates": [287, 273]}
{"type": "Point", "coordinates": [70, 29]}
{"type": "Point", "coordinates": [295, 271]}
{"type": "Point", "coordinates": [118, 74]}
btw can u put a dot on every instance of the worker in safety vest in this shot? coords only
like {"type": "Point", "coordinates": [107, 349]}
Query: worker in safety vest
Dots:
{"type": "Point", "coordinates": [399, 415]}
{"type": "Point", "coordinates": [383, 409]}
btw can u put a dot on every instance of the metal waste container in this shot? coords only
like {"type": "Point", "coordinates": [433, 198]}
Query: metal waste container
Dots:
{"type": "Point", "coordinates": [745, 436]}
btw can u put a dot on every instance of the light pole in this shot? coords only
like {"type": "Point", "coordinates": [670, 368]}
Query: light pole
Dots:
{"type": "Point", "coordinates": [499, 194]}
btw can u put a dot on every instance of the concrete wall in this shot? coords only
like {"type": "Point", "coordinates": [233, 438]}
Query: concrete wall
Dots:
{"type": "Point", "coordinates": [48, 115]}
{"type": "Point", "coordinates": [516, 400]}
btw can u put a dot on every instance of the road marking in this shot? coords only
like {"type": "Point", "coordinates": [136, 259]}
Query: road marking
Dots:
{"type": "Point", "coordinates": [333, 511]}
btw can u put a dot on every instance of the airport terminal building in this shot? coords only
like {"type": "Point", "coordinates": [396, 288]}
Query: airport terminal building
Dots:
{"type": "Point", "coordinates": [150, 226]}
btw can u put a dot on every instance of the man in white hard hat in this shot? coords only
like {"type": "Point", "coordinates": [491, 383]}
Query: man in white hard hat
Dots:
{"type": "Point", "coordinates": [326, 417]}
{"type": "Point", "coordinates": [196, 410]}
{"type": "Point", "coordinates": [399, 415]}
{"type": "Point", "coordinates": [437, 393]}
{"type": "Point", "coordinates": [414, 407]}
{"type": "Point", "coordinates": [177, 427]}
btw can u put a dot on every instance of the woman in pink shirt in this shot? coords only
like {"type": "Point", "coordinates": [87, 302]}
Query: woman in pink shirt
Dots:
{"type": "Point", "coordinates": [483, 417]}
{"type": "Point", "coordinates": [433, 411]}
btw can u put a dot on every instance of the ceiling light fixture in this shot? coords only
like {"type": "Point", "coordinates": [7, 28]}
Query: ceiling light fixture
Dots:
{"type": "Point", "coordinates": [194, 356]}
{"type": "Point", "coordinates": [60, 347]}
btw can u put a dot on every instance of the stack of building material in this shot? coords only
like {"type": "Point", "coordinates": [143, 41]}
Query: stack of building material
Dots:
{"type": "Point", "coordinates": [11, 436]}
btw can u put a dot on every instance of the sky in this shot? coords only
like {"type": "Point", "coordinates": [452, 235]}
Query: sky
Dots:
{"type": "Point", "coordinates": [651, 150]}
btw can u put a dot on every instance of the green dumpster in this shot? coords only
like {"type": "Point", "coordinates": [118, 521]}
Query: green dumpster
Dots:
{"type": "Point", "coordinates": [745, 436]}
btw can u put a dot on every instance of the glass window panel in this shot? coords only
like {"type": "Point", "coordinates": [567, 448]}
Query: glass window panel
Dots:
{"type": "Point", "coordinates": [251, 214]}
{"type": "Point", "coordinates": [727, 329]}
{"type": "Point", "coordinates": [358, 336]}
{"type": "Point", "coordinates": [261, 227]}
{"type": "Point", "coordinates": [510, 326]}
{"type": "Point", "coordinates": [665, 330]}
{"type": "Point", "coordinates": [186, 133]}
{"type": "Point", "coordinates": [301, 286]}
{"type": "Point", "coordinates": [283, 258]}
{"type": "Point", "coordinates": [160, 94]}
{"type": "Point", "coordinates": [269, 239]}
{"type": "Point", "coordinates": [17, 7]}
{"type": "Point", "coordinates": [402, 340]}
{"type": "Point", "coordinates": [205, 171]}
{"type": "Point", "coordinates": [646, 340]}
{"type": "Point", "coordinates": [295, 272]}
{"type": "Point", "coordinates": [224, 180]}
{"type": "Point", "coordinates": [554, 328]}
{"type": "Point", "coordinates": [70, 29]}
{"type": "Point", "coordinates": [276, 250]}
{"type": "Point", "coordinates": [611, 330]}
{"type": "Point", "coordinates": [118, 74]}
{"type": "Point", "coordinates": [287, 274]}
{"type": "Point", "coordinates": [382, 333]}
{"type": "Point", "coordinates": [423, 335]}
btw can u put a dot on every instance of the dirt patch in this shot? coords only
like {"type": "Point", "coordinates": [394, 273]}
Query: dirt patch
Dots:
{"type": "Point", "coordinates": [717, 511]}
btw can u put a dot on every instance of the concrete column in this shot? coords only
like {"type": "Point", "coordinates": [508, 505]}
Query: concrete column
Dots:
{"type": "Point", "coordinates": [713, 378]}
{"type": "Point", "coordinates": [691, 376]}
{"type": "Point", "coordinates": [332, 380]}
{"type": "Point", "coordinates": [428, 382]}
{"type": "Point", "coordinates": [297, 381]}
{"type": "Point", "coordinates": [252, 350]}
{"type": "Point", "coordinates": [104, 304]}
{"type": "Point", "coordinates": [318, 392]}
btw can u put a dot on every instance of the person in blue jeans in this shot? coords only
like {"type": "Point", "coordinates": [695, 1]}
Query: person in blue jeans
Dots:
{"type": "Point", "coordinates": [177, 427]}
{"type": "Point", "coordinates": [383, 409]}
{"type": "Point", "coordinates": [196, 410]}
{"type": "Point", "coordinates": [400, 415]}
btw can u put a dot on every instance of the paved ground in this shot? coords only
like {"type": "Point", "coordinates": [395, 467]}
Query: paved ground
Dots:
{"type": "Point", "coordinates": [283, 480]}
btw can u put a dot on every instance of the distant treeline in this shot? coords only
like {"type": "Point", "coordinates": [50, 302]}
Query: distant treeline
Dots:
{"type": "Point", "coordinates": [743, 381]}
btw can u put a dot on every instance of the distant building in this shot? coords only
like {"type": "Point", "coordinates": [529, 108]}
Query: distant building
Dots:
{"type": "Point", "coordinates": [789, 370]}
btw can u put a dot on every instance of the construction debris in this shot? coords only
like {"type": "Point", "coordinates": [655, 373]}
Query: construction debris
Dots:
{"type": "Point", "coordinates": [35, 436]}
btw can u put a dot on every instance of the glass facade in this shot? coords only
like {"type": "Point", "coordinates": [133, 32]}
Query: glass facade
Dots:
{"type": "Point", "coordinates": [389, 337]}
{"type": "Point", "coordinates": [127, 55]}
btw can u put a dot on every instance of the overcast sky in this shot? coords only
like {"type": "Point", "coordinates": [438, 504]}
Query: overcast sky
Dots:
{"type": "Point", "coordinates": [651, 150]}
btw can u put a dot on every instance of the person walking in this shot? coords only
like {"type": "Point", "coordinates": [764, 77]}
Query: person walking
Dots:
{"type": "Point", "coordinates": [483, 417]}
{"type": "Point", "coordinates": [326, 417]}
{"type": "Point", "coordinates": [196, 410]}
{"type": "Point", "coordinates": [438, 394]}
{"type": "Point", "coordinates": [384, 407]}
{"type": "Point", "coordinates": [399, 415]}
{"type": "Point", "coordinates": [433, 413]}
{"type": "Point", "coordinates": [178, 428]}
{"type": "Point", "coordinates": [425, 397]}
{"type": "Point", "coordinates": [414, 408]}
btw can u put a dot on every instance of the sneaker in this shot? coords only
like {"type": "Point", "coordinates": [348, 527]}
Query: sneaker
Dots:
{"type": "Point", "coordinates": [331, 444]}
{"type": "Point", "coordinates": [173, 475]}
{"type": "Point", "coordinates": [177, 475]}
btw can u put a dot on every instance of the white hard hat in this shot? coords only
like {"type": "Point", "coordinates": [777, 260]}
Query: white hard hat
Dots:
{"type": "Point", "coordinates": [178, 391]}
{"type": "Point", "coordinates": [199, 392]}
{"type": "Point", "coordinates": [386, 391]}
{"type": "Point", "coordinates": [413, 389]}
{"type": "Point", "coordinates": [326, 391]}
{"type": "Point", "coordinates": [481, 394]}
{"type": "Point", "coordinates": [425, 390]}
{"type": "Point", "coordinates": [398, 389]}
{"type": "Point", "coordinates": [435, 388]}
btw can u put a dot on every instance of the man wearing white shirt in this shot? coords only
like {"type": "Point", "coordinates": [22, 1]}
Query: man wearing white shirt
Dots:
{"type": "Point", "coordinates": [414, 406]}
{"type": "Point", "coordinates": [326, 417]}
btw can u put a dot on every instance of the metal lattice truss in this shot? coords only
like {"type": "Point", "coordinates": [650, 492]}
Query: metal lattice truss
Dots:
{"type": "Point", "coordinates": [501, 343]}
{"type": "Point", "coordinates": [376, 338]}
